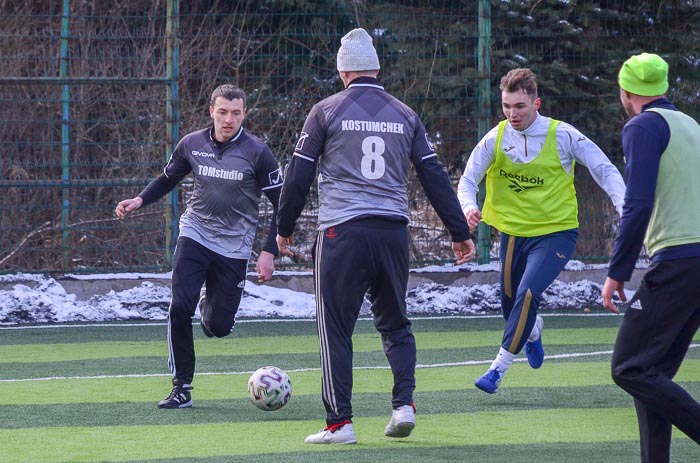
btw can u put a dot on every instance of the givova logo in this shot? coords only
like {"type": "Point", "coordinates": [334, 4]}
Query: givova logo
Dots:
{"type": "Point", "coordinates": [520, 183]}
{"type": "Point", "coordinates": [203, 154]}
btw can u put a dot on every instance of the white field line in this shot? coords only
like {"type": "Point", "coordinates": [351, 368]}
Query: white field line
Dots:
{"type": "Point", "coordinates": [301, 370]}
{"type": "Point", "coordinates": [284, 320]}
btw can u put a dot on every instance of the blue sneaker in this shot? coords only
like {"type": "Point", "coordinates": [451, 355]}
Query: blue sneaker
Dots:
{"type": "Point", "coordinates": [489, 381]}
{"type": "Point", "coordinates": [534, 349]}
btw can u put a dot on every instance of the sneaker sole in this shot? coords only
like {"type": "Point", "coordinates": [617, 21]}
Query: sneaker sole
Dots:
{"type": "Point", "coordinates": [328, 442]}
{"type": "Point", "coordinates": [400, 430]}
{"type": "Point", "coordinates": [331, 442]}
{"type": "Point", "coordinates": [206, 331]}
{"type": "Point", "coordinates": [174, 407]}
{"type": "Point", "coordinates": [485, 389]}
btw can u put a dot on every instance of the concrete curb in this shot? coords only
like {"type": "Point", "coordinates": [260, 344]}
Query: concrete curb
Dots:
{"type": "Point", "coordinates": [84, 289]}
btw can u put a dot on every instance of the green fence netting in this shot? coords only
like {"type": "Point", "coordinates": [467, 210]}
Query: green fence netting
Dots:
{"type": "Point", "coordinates": [94, 95]}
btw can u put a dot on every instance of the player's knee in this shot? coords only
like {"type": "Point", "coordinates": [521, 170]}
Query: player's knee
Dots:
{"type": "Point", "coordinates": [623, 376]}
{"type": "Point", "coordinates": [401, 336]}
{"type": "Point", "coordinates": [221, 330]}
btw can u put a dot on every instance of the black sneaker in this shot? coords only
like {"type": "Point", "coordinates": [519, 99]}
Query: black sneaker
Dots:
{"type": "Point", "coordinates": [179, 397]}
{"type": "Point", "coordinates": [203, 306]}
{"type": "Point", "coordinates": [205, 330]}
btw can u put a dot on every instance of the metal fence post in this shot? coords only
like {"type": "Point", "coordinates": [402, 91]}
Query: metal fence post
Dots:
{"type": "Point", "coordinates": [65, 140]}
{"type": "Point", "coordinates": [484, 114]}
{"type": "Point", "coordinates": [172, 110]}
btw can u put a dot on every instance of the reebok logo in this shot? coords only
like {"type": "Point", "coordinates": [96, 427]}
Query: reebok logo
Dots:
{"type": "Point", "coordinates": [519, 183]}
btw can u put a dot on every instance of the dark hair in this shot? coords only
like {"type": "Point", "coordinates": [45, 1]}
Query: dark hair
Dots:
{"type": "Point", "coordinates": [520, 79]}
{"type": "Point", "coordinates": [230, 92]}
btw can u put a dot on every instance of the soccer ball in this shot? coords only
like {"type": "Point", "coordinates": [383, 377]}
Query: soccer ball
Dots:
{"type": "Point", "coordinates": [269, 388]}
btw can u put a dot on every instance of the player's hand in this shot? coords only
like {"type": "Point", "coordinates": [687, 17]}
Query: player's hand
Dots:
{"type": "Point", "coordinates": [473, 218]}
{"type": "Point", "coordinates": [128, 205]}
{"type": "Point", "coordinates": [265, 266]}
{"type": "Point", "coordinates": [609, 287]}
{"type": "Point", "coordinates": [283, 244]}
{"type": "Point", "coordinates": [464, 251]}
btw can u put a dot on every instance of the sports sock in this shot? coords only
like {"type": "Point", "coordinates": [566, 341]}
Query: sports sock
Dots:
{"type": "Point", "coordinates": [503, 360]}
{"type": "Point", "coordinates": [534, 334]}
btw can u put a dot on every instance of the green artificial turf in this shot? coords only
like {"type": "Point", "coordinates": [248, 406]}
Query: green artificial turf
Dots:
{"type": "Point", "coordinates": [88, 393]}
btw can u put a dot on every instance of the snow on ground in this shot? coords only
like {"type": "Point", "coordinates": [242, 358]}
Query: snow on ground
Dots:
{"type": "Point", "coordinates": [30, 298]}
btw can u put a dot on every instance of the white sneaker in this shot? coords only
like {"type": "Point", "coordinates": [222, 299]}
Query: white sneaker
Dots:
{"type": "Point", "coordinates": [339, 435]}
{"type": "Point", "coordinates": [403, 420]}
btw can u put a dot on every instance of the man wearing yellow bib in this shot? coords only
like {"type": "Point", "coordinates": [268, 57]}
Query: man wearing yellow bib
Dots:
{"type": "Point", "coordinates": [528, 161]}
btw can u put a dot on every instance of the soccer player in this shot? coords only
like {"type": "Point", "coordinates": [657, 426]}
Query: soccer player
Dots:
{"type": "Point", "coordinates": [662, 211]}
{"type": "Point", "coordinates": [363, 140]}
{"type": "Point", "coordinates": [231, 169]}
{"type": "Point", "coordinates": [528, 160]}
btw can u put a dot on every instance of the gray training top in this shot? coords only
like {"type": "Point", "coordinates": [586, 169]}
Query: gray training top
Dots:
{"type": "Point", "coordinates": [364, 141]}
{"type": "Point", "coordinates": [365, 135]}
{"type": "Point", "coordinates": [222, 212]}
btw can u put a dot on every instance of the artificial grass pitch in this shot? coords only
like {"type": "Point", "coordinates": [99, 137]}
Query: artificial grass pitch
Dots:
{"type": "Point", "coordinates": [89, 394]}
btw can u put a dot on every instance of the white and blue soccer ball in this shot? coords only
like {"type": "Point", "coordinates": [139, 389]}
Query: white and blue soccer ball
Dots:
{"type": "Point", "coordinates": [269, 388]}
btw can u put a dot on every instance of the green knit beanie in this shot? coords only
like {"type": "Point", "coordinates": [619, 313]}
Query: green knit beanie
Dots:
{"type": "Point", "coordinates": [645, 75]}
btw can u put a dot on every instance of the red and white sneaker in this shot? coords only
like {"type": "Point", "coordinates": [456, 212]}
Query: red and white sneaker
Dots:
{"type": "Point", "coordinates": [340, 433]}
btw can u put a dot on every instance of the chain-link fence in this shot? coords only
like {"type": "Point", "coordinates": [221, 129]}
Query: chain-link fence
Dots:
{"type": "Point", "coordinates": [95, 95]}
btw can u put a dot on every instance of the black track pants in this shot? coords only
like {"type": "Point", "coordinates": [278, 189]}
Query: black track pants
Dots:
{"type": "Point", "coordinates": [650, 347]}
{"type": "Point", "coordinates": [350, 260]}
{"type": "Point", "coordinates": [193, 265]}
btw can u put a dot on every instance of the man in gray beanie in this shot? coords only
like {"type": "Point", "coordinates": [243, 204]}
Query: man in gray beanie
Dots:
{"type": "Point", "coordinates": [362, 140]}
{"type": "Point", "coordinates": [357, 53]}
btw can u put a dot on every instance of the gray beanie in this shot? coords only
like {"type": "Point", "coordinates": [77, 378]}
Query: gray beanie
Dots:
{"type": "Point", "coordinates": [357, 52]}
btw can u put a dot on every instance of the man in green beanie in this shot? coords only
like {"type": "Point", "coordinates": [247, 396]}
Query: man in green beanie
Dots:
{"type": "Point", "coordinates": [661, 211]}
